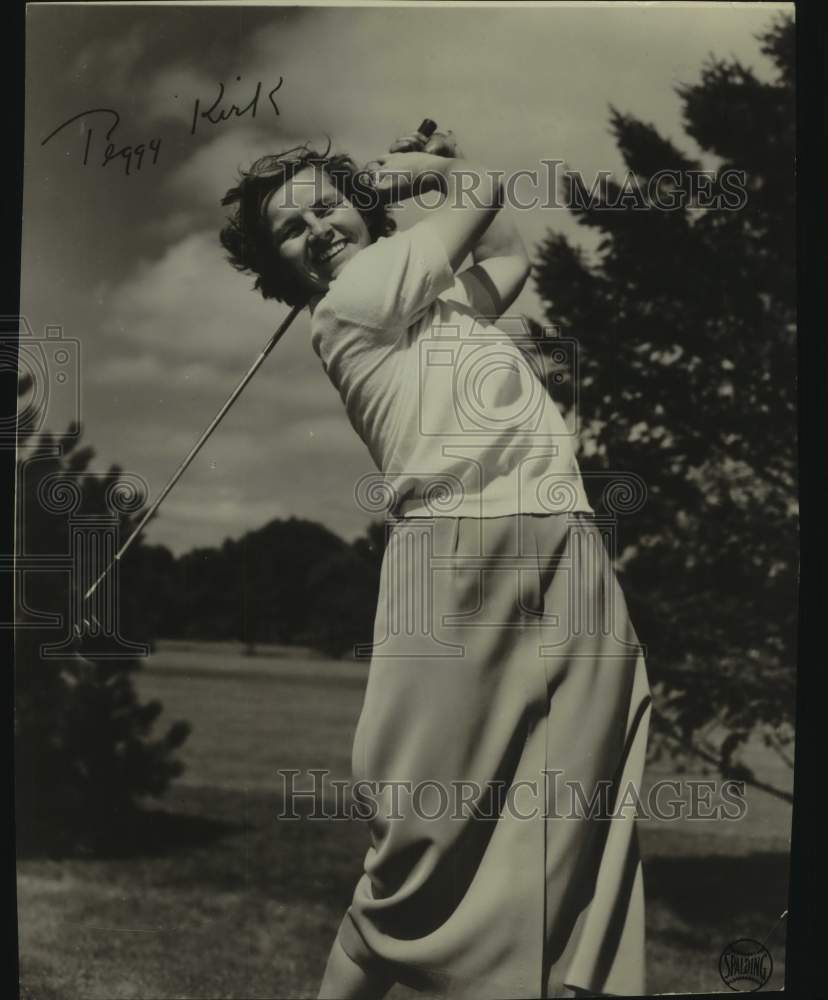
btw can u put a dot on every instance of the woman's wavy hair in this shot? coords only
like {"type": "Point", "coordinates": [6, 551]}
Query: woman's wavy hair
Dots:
{"type": "Point", "coordinates": [247, 237]}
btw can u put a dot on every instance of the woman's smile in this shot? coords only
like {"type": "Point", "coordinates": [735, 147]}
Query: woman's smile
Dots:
{"type": "Point", "coordinates": [315, 228]}
{"type": "Point", "coordinates": [334, 249]}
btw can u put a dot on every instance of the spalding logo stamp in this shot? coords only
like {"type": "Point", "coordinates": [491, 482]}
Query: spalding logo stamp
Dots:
{"type": "Point", "coordinates": [745, 965]}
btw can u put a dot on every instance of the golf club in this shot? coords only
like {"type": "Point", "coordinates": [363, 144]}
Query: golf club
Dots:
{"type": "Point", "coordinates": [277, 336]}
{"type": "Point", "coordinates": [426, 130]}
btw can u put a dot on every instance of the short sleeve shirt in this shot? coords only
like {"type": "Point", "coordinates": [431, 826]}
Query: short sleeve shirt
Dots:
{"type": "Point", "coordinates": [453, 410]}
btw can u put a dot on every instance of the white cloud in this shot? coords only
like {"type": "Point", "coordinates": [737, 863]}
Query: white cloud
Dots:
{"type": "Point", "coordinates": [170, 94]}
{"type": "Point", "coordinates": [212, 167]}
{"type": "Point", "coordinates": [305, 389]}
{"type": "Point", "coordinates": [225, 512]}
{"type": "Point", "coordinates": [323, 437]}
{"type": "Point", "coordinates": [190, 303]}
{"type": "Point", "coordinates": [112, 60]}
{"type": "Point", "coordinates": [131, 370]}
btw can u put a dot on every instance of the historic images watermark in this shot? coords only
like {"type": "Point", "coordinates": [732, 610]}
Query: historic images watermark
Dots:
{"type": "Point", "coordinates": [314, 794]}
{"type": "Point", "coordinates": [554, 185]}
{"type": "Point", "coordinates": [50, 488]}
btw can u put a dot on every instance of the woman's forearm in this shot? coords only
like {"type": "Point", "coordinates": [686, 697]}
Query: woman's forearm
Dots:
{"type": "Point", "coordinates": [471, 185]}
{"type": "Point", "coordinates": [473, 195]}
{"type": "Point", "coordinates": [465, 182]}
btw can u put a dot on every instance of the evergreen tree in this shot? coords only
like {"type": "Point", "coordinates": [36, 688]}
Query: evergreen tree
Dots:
{"type": "Point", "coordinates": [84, 750]}
{"type": "Point", "coordinates": [685, 321]}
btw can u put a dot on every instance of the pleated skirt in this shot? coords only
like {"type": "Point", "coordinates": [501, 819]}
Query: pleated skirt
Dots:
{"type": "Point", "coordinates": [504, 723]}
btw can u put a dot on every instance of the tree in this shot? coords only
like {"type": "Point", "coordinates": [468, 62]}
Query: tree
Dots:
{"type": "Point", "coordinates": [84, 750]}
{"type": "Point", "coordinates": [290, 582]}
{"type": "Point", "coordinates": [685, 321]}
{"type": "Point", "coordinates": [343, 593]}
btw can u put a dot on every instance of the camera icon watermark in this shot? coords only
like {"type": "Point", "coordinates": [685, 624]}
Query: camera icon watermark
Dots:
{"type": "Point", "coordinates": [47, 367]}
{"type": "Point", "coordinates": [68, 521]}
{"type": "Point", "coordinates": [90, 537]}
{"type": "Point", "coordinates": [499, 381]}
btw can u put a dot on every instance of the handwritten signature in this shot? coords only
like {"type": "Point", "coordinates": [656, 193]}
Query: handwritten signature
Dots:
{"type": "Point", "coordinates": [111, 152]}
{"type": "Point", "coordinates": [215, 113]}
{"type": "Point", "coordinates": [136, 156]}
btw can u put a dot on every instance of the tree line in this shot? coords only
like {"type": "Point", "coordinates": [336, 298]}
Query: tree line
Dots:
{"type": "Point", "coordinates": [290, 582]}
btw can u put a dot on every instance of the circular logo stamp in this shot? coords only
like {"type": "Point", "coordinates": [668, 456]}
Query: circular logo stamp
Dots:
{"type": "Point", "coordinates": [745, 965]}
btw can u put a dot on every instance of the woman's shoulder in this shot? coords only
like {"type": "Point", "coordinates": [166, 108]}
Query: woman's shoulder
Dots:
{"type": "Point", "coordinates": [390, 283]}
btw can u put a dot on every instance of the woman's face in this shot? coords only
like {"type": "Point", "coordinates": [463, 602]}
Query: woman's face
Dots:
{"type": "Point", "coordinates": [315, 229]}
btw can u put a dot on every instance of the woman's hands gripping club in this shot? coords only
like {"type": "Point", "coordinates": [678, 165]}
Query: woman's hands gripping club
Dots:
{"type": "Point", "coordinates": [415, 163]}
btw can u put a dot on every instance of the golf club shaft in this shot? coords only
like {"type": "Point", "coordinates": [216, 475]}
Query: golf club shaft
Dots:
{"type": "Point", "coordinates": [426, 129]}
{"type": "Point", "coordinates": [198, 445]}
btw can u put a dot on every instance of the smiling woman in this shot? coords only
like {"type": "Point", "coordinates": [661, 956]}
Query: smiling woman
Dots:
{"type": "Point", "coordinates": [315, 229]}
{"type": "Point", "coordinates": [482, 674]}
{"type": "Point", "coordinates": [264, 234]}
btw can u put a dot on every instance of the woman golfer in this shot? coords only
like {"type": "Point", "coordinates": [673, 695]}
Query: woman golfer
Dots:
{"type": "Point", "coordinates": [507, 703]}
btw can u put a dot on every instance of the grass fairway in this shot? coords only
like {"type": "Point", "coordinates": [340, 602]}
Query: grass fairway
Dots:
{"type": "Point", "coordinates": [213, 896]}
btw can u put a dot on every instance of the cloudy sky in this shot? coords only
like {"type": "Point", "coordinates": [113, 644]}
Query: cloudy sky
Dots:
{"type": "Point", "coordinates": [131, 268]}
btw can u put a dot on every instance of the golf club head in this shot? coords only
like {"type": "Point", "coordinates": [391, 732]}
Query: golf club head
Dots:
{"type": "Point", "coordinates": [89, 640]}
{"type": "Point", "coordinates": [86, 627]}
{"type": "Point", "coordinates": [84, 636]}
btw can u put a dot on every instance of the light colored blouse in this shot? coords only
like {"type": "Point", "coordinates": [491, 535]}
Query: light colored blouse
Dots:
{"type": "Point", "coordinates": [454, 412]}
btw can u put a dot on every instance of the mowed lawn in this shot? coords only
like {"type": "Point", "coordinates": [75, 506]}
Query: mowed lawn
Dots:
{"type": "Point", "coordinates": [214, 896]}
